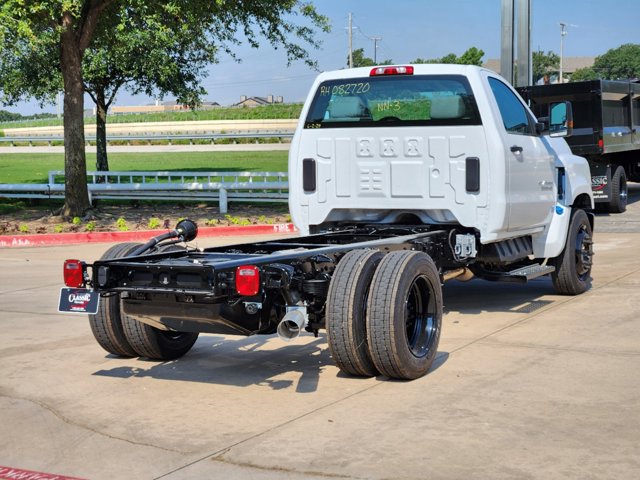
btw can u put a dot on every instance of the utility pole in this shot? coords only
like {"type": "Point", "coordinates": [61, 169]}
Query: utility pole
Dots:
{"type": "Point", "coordinates": [375, 48]}
{"type": "Point", "coordinates": [350, 42]}
{"type": "Point", "coordinates": [563, 32]}
{"type": "Point", "coordinates": [524, 75]}
{"type": "Point", "coordinates": [507, 56]}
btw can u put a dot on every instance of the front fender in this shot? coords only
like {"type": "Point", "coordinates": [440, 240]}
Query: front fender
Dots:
{"type": "Point", "coordinates": [577, 172]}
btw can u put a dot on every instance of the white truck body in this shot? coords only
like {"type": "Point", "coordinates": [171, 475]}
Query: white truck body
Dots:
{"type": "Point", "coordinates": [401, 178]}
{"type": "Point", "coordinates": [380, 171]}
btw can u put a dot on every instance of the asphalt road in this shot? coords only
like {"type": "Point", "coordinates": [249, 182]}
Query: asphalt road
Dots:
{"type": "Point", "coordinates": [527, 385]}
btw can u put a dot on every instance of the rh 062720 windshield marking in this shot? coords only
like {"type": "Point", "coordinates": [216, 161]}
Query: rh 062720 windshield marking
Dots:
{"type": "Point", "coordinates": [345, 89]}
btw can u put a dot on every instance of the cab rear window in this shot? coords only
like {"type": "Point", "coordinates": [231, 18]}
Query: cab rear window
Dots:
{"type": "Point", "coordinates": [420, 100]}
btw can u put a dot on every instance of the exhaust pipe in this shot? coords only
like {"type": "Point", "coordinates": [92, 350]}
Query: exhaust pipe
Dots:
{"type": "Point", "coordinates": [462, 274]}
{"type": "Point", "coordinates": [292, 323]}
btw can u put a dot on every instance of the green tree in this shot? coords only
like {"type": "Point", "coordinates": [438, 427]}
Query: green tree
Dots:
{"type": "Point", "coordinates": [582, 74]}
{"type": "Point", "coordinates": [41, 36]}
{"type": "Point", "coordinates": [544, 64]}
{"type": "Point", "coordinates": [472, 56]}
{"type": "Point", "coordinates": [359, 60]}
{"type": "Point", "coordinates": [145, 54]}
{"type": "Point", "coordinates": [619, 63]}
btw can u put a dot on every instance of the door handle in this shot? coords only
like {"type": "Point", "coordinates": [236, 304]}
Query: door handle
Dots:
{"type": "Point", "coordinates": [546, 185]}
{"type": "Point", "coordinates": [516, 149]}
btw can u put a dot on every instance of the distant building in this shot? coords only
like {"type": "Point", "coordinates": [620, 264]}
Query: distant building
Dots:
{"type": "Point", "coordinates": [258, 101]}
{"type": "Point", "coordinates": [164, 106]}
{"type": "Point", "coordinates": [569, 65]}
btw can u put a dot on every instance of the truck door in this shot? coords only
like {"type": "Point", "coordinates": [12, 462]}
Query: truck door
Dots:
{"type": "Point", "coordinates": [531, 190]}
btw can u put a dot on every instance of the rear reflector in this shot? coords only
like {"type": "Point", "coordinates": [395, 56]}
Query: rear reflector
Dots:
{"type": "Point", "coordinates": [73, 273]}
{"type": "Point", "coordinates": [247, 280]}
{"type": "Point", "coordinates": [391, 71]}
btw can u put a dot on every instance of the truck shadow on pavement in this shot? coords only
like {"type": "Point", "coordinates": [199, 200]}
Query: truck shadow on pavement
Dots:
{"type": "Point", "coordinates": [480, 296]}
{"type": "Point", "coordinates": [247, 361]}
{"type": "Point", "coordinates": [241, 362]}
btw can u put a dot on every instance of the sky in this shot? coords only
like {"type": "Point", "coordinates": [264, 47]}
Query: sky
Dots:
{"type": "Point", "coordinates": [408, 29]}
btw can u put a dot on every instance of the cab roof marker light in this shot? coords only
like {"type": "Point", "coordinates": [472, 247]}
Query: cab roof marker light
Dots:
{"type": "Point", "coordinates": [377, 71]}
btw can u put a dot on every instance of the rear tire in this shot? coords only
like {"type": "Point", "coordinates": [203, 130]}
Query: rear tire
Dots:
{"type": "Point", "coordinates": [346, 312]}
{"type": "Point", "coordinates": [106, 324]}
{"type": "Point", "coordinates": [619, 192]}
{"type": "Point", "coordinates": [404, 315]}
{"type": "Point", "coordinates": [157, 344]}
{"type": "Point", "coordinates": [573, 265]}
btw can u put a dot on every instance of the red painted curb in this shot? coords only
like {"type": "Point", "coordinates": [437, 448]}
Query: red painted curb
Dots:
{"type": "Point", "coordinates": [18, 473]}
{"type": "Point", "coordinates": [9, 241]}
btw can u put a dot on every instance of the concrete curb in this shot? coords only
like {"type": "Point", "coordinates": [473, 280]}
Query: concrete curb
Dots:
{"type": "Point", "coordinates": [12, 241]}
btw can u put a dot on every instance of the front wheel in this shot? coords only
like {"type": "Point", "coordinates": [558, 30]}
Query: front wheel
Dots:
{"type": "Point", "coordinates": [573, 266]}
{"type": "Point", "coordinates": [404, 315]}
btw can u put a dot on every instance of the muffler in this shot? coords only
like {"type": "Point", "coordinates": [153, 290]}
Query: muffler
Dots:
{"type": "Point", "coordinates": [292, 323]}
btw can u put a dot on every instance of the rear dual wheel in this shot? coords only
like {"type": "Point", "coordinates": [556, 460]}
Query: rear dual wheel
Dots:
{"type": "Point", "coordinates": [619, 191]}
{"type": "Point", "coordinates": [384, 314]}
{"type": "Point", "coordinates": [124, 336]}
{"type": "Point", "coordinates": [106, 324]}
{"type": "Point", "coordinates": [346, 312]}
{"type": "Point", "coordinates": [404, 317]}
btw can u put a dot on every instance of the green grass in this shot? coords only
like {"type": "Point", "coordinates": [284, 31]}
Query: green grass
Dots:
{"type": "Point", "coordinates": [267, 112]}
{"type": "Point", "coordinates": [34, 167]}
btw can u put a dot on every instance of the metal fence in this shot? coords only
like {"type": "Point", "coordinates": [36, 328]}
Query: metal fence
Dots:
{"type": "Point", "coordinates": [150, 138]}
{"type": "Point", "coordinates": [222, 187]}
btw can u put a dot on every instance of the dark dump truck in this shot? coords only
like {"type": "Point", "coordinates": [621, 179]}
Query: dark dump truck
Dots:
{"type": "Point", "coordinates": [400, 178]}
{"type": "Point", "coordinates": [606, 131]}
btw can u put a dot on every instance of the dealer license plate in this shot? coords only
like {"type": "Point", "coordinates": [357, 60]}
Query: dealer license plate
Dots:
{"type": "Point", "coordinates": [78, 300]}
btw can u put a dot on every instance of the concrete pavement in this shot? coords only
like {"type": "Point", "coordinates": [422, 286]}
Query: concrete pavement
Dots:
{"type": "Point", "coordinates": [527, 385]}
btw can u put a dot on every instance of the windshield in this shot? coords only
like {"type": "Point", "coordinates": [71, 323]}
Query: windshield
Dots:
{"type": "Point", "coordinates": [418, 100]}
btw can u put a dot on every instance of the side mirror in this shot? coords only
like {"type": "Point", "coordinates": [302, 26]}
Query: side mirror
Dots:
{"type": "Point", "coordinates": [560, 119]}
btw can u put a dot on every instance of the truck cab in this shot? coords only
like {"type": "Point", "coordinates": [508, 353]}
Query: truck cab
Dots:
{"type": "Point", "coordinates": [427, 144]}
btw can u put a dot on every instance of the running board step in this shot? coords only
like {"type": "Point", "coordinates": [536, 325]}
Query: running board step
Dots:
{"type": "Point", "coordinates": [519, 275]}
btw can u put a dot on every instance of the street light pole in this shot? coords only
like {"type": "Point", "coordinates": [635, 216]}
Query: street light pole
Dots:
{"type": "Point", "coordinates": [563, 32]}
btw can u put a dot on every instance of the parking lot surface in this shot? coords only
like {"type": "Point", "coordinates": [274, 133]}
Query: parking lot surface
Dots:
{"type": "Point", "coordinates": [527, 385]}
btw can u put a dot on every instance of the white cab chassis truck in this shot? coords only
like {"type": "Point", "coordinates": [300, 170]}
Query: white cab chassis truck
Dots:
{"type": "Point", "coordinates": [401, 178]}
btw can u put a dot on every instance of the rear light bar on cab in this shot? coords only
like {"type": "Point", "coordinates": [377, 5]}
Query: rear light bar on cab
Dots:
{"type": "Point", "coordinates": [377, 71]}
{"type": "Point", "coordinates": [73, 273]}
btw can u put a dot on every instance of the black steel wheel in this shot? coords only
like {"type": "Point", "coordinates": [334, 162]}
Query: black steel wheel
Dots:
{"type": "Point", "coordinates": [157, 344]}
{"type": "Point", "coordinates": [106, 324]}
{"type": "Point", "coordinates": [619, 191]}
{"type": "Point", "coordinates": [573, 265]}
{"type": "Point", "coordinates": [404, 315]}
{"type": "Point", "coordinates": [346, 312]}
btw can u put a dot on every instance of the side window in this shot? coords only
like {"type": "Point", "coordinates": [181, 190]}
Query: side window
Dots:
{"type": "Point", "coordinates": [514, 115]}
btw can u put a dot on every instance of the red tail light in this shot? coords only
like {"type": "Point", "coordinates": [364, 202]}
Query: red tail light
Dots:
{"type": "Point", "coordinates": [391, 71]}
{"type": "Point", "coordinates": [247, 280]}
{"type": "Point", "coordinates": [73, 273]}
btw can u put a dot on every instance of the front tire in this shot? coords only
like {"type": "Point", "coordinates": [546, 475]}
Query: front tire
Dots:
{"type": "Point", "coordinates": [346, 312]}
{"type": "Point", "coordinates": [573, 266]}
{"type": "Point", "coordinates": [404, 315]}
{"type": "Point", "coordinates": [106, 324]}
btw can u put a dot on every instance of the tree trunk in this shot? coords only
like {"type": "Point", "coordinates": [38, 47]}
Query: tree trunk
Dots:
{"type": "Point", "coordinates": [102, 162]}
{"type": "Point", "coordinates": [76, 199]}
